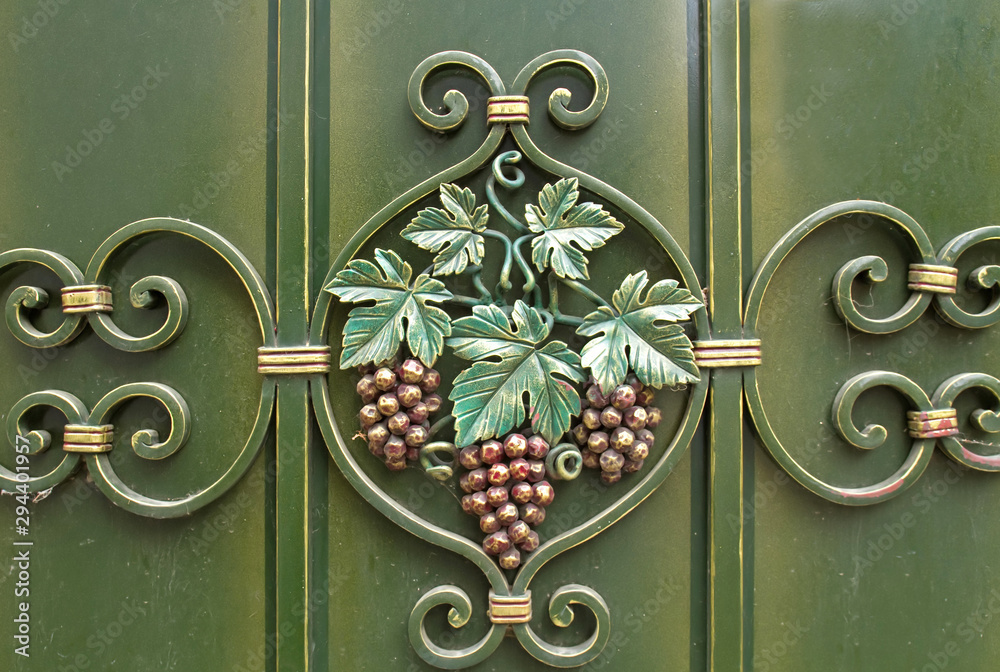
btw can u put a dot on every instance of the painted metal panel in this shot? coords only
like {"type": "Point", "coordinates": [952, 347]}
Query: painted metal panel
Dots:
{"type": "Point", "coordinates": [816, 173]}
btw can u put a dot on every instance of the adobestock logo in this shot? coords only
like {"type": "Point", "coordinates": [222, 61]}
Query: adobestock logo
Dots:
{"type": "Point", "coordinates": [47, 10]}
{"type": "Point", "coordinates": [122, 108]}
{"type": "Point", "coordinates": [378, 20]}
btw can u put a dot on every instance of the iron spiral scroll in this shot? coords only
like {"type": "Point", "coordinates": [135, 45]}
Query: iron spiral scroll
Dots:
{"type": "Point", "coordinates": [89, 435]}
{"type": "Point", "coordinates": [640, 334]}
{"type": "Point", "coordinates": [932, 278]}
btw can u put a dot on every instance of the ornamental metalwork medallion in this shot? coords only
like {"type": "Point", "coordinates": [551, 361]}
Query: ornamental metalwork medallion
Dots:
{"type": "Point", "coordinates": [498, 348]}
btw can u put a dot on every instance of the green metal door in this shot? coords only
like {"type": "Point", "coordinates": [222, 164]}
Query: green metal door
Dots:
{"type": "Point", "coordinates": [689, 305]}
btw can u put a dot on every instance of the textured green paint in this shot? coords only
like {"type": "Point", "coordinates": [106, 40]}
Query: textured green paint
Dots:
{"type": "Point", "coordinates": [120, 590]}
{"type": "Point", "coordinates": [861, 100]}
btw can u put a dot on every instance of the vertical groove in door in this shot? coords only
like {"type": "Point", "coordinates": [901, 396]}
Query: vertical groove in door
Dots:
{"type": "Point", "coordinates": [319, 256]}
{"type": "Point", "coordinates": [748, 453]}
{"type": "Point", "coordinates": [697, 217]}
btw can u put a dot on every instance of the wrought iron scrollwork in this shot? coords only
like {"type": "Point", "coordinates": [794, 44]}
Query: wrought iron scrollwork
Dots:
{"type": "Point", "coordinates": [86, 299]}
{"type": "Point", "coordinates": [934, 421]}
{"type": "Point", "coordinates": [932, 278]}
{"type": "Point", "coordinates": [507, 339]}
{"type": "Point", "coordinates": [89, 436]}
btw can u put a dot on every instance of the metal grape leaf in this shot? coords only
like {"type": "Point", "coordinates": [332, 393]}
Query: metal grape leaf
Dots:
{"type": "Point", "coordinates": [567, 229]}
{"type": "Point", "coordinates": [489, 395]}
{"type": "Point", "coordinates": [373, 333]}
{"type": "Point", "coordinates": [660, 354]}
{"type": "Point", "coordinates": [453, 232]}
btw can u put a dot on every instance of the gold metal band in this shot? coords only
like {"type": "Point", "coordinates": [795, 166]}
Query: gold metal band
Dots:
{"type": "Point", "coordinates": [510, 608]}
{"type": "Point", "coordinates": [727, 353]}
{"type": "Point", "coordinates": [86, 299]}
{"type": "Point", "coordinates": [932, 278]}
{"type": "Point", "coordinates": [932, 424]}
{"type": "Point", "coordinates": [507, 110]}
{"type": "Point", "coordinates": [290, 361]}
{"type": "Point", "coordinates": [88, 438]}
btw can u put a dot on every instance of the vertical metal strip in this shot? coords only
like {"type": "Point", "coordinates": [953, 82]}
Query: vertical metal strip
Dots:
{"type": "Point", "coordinates": [292, 553]}
{"type": "Point", "coordinates": [726, 520]}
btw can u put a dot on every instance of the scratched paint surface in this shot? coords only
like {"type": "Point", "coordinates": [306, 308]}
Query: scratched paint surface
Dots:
{"type": "Point", "coordinates": [898, 112]}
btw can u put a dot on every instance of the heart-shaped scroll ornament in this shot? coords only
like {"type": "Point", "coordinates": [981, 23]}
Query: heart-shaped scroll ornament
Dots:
{"type": "Point", "coordinates": [518, 358]}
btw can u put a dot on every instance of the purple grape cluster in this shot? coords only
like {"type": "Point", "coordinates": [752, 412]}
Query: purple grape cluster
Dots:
{"type": "Point", "coordinates": [614, 431]}
{"type": "Point", "coordinates": [506, 489]}
{"type": "Point", "coordinates": [399, 400]}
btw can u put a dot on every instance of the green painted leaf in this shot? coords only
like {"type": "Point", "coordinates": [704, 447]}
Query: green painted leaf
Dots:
{"type": "Point", "coordinates": [489, 395]}
{"type": "Point", "coordinates": [373, 333]}
{"type": "Point", "coordinates": [659, 352]}
{"type": "Point", "coordinates": [453, 232]}
{"type": "Point", "coordinates": [488, 332]}
{"type": "Point", "coordinates": [567, 229]}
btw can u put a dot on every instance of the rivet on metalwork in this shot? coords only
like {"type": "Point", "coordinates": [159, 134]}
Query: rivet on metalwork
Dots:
{"type": "Point", "coordinates": [289, 361]}
{"type": "Point", "coordinates": [86, 299]}
{"type": "Point", "coordinates": [931, 278]}
{"type": "Point", "coordinates": [718, 354]}
{"type": "Point", "coordinates": [510, 608]}
{"type": "Point", "coordinates": [507, 110]}
{"type": "Point", "coordinates": [932, 424]}
{"type": "Point", "coordinates": [88, 438]}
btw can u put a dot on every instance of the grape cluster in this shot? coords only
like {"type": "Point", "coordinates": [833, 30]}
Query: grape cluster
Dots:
{"type": "Point", "coordinates": [398, 402]}
{"type": "Point", "coordinates": [506, 489]}
{"type": "Point", "coordinates": [614, 431]}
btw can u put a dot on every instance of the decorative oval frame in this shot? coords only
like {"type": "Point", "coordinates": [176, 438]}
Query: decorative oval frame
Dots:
{"type": "Point", "coordinates": [560, 609]}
